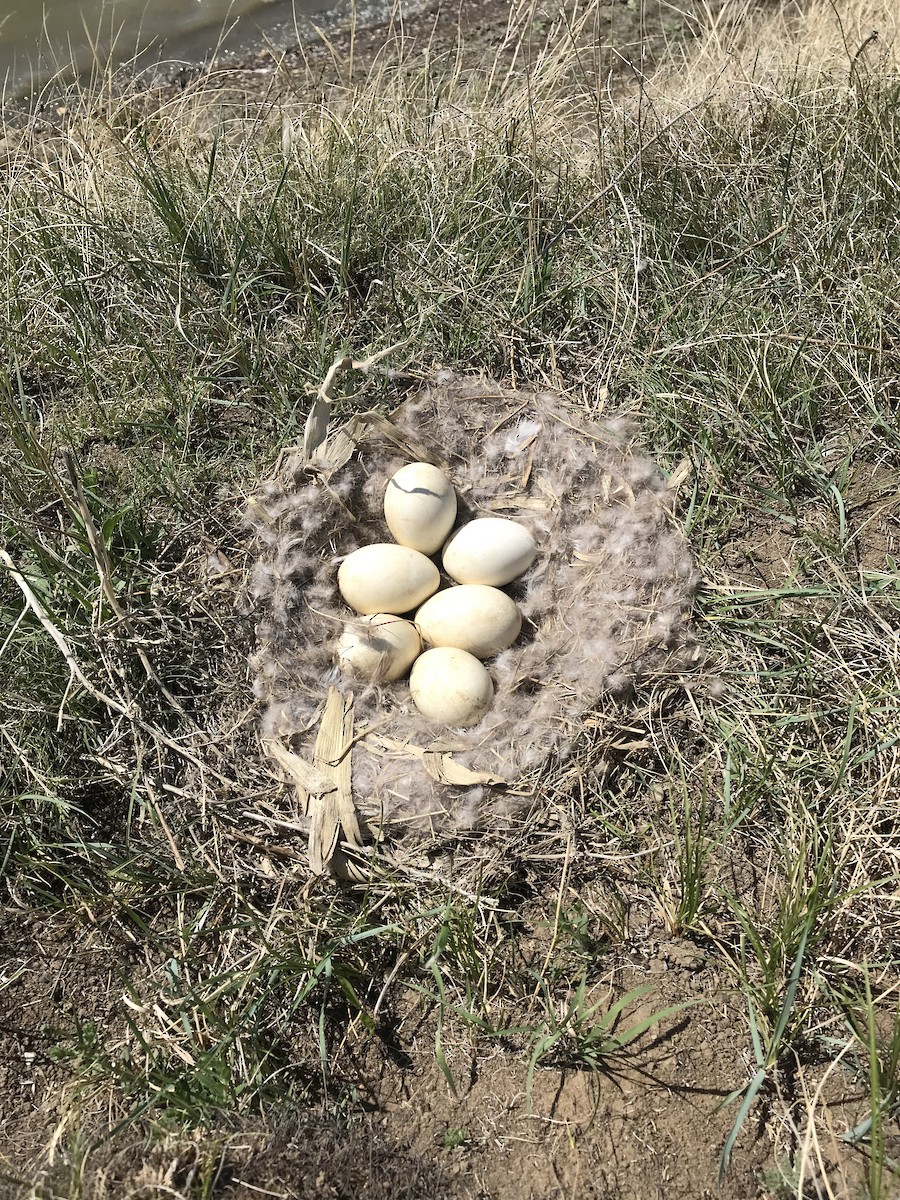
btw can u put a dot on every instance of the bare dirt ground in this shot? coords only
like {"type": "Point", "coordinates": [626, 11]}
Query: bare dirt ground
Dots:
{"type": "Point", "coordinates": [650, 1124]}
{"type": "Point", "coordinates": [633, 38]}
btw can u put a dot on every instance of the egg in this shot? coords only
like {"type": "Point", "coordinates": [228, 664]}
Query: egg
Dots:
{"type": "Point", "coordinates": [489, 550]}
{"type": "Point", "coordinates": [420, 507]}
{"type": "Point", "coordinates": [472, 617]}
{"type": "Point", "coordinates": [384, 578]}
{"type": "Point", "coordinates": [450, 686]}
{"type": "Point", "coordinates": [379, 647]}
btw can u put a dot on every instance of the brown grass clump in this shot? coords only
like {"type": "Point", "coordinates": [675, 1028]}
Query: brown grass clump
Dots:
{"type": "Point", "coordinates": [744, 51]}
{"type": "Point", "coordinates": [605, 605]}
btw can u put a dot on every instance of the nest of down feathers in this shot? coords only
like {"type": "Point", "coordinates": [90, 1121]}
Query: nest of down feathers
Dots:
{"type": "Point", "coordinates": [605, 606]}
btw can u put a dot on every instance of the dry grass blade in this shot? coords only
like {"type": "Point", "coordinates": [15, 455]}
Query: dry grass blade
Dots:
{"type": "Point", "coordinates": [104, 567]}
{"type": "Point", "coordinates": [316, 426]}
{"type": "Point", "coordinates": [306, 778]}
{"type": "Point", "coordinates": [379, 430]}
{"type": "Point", "coordinates": [336, 450]}
{"type": "Point", "coordinates": [333, 812]}
{"type": "Point", "coordinates": [77, 673]}
{"type": "Point", "coordinates": [439, 763]}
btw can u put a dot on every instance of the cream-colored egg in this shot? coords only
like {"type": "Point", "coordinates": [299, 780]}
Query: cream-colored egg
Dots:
{"type": "Point", "coordinates": [472, 617]}
{"type": "Point", "coordinates": [450, 686]}
{"type": "Point", "coordinates": [489, 550]}
{"type": "Point", "coordinates": [384, 578]}
{"type": "Point", "coordinates": [379, 647]}
{"type": "Point", "coordinates": [420, 507]}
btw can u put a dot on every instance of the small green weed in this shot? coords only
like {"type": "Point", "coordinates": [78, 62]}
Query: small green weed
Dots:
{"type": "Point", "coordinates": [877, 1034]}
{"type": "Point", "coordinates": [454, 1138]}
{"type": "Point", "coordinates": [588, 1036]}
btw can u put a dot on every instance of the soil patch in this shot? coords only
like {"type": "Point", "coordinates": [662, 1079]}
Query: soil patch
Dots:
{"type": "Point", "coordinates": [61, 992]}
{"type": "Point", "coordinates": [649, 1121]}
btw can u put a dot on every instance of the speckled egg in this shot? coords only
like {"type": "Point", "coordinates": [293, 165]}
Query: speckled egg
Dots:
{"type": "Point", "coordinates": [420, 507]}
{"type": "Point", "coordinates": [489, 550]}
{"type": "Point", "coordinates": [450, 686]}
{"type": "Point", "coordinates": [380, 647]}
{"type": "Point", "coordinates": [472, 617]}
{"type": "Point", "coordinates": [384, 578]}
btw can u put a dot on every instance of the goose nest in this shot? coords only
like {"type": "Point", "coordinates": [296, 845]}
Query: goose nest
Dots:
{"type": "Point", "coordinates": [606, 609]}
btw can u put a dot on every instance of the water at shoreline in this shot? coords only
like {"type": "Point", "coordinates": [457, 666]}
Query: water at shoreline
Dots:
{"type": "Point", "coordinates": [38, 41]}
